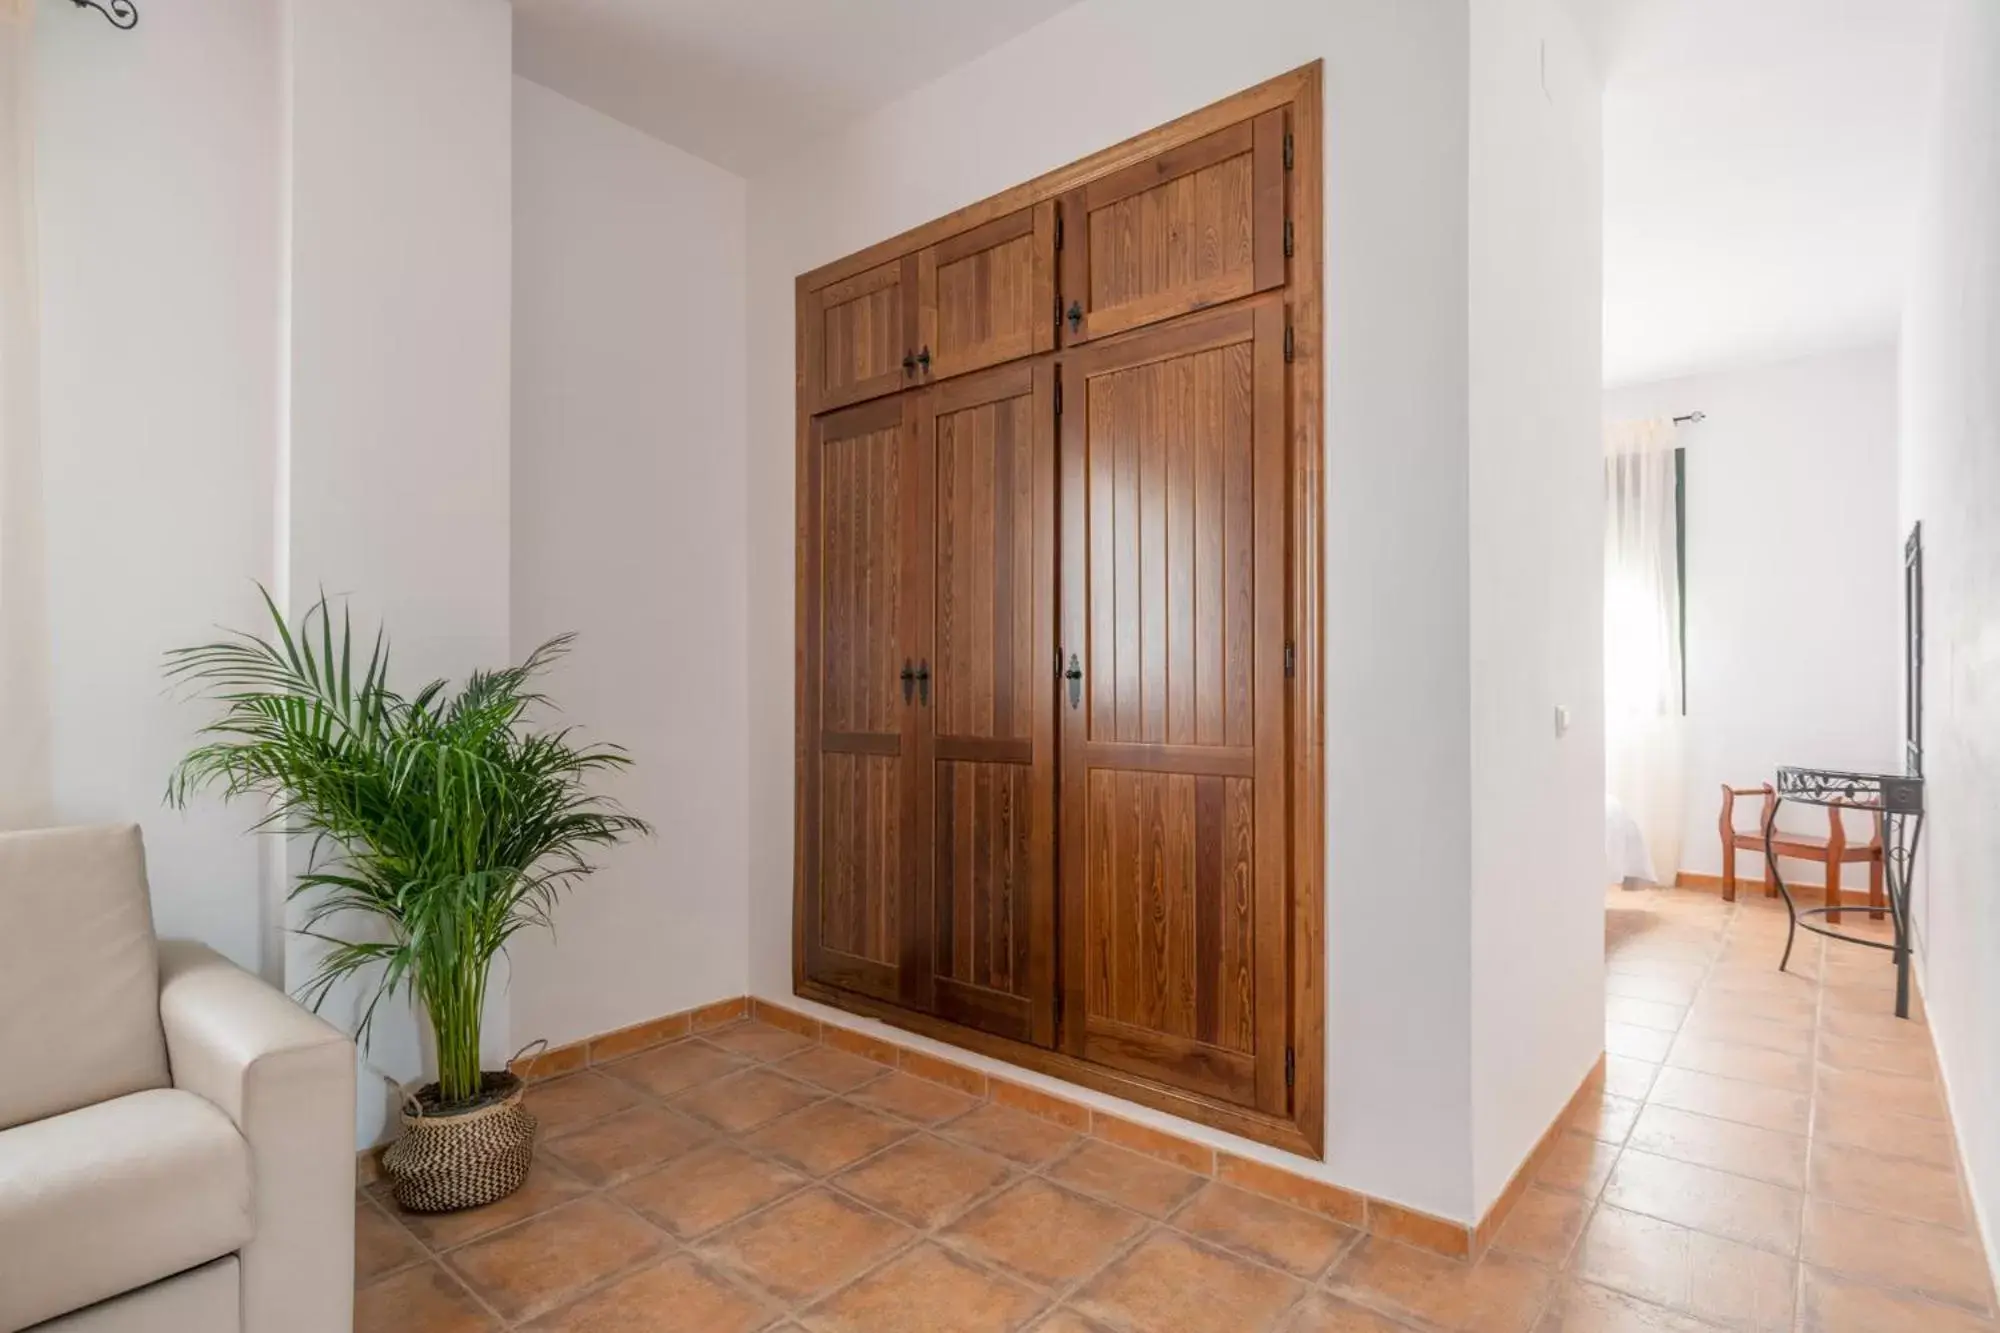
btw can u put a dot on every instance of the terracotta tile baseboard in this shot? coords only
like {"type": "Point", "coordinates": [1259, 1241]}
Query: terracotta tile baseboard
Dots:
{"type": "Point", "coordinates": [621, 1042]}
{"type": "Point", "coordinates": [1694, 879]}
{"type": "Point", "coordinates": [1517, 1184]}
{"type": "Point", "coordinates": [1378, 1216]}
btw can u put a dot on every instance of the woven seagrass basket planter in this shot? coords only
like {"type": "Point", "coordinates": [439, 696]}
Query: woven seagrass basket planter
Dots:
{"type": "Point", "coordinates": [449, 1160]}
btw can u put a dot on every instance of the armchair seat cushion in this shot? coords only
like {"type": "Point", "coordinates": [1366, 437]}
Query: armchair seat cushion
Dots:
{"type": "Point", "coordinates": [113, 1196]}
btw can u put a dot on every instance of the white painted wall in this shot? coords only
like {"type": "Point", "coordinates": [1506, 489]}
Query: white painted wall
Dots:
{"type": "Point", "coordinates": [400, 274]}
{"type": "Point", "coordinates": [25, 800]}
{"type": "Point", "coordinates": [1400, 709]}
{"type": "Point", "coordinates": [395, 471]}
{"type": "Point", "coordinates": [628, 528]}
{"type": "Point", "coordinates": [157, 155]}
{"type": "Point", "coordinates": [1790, 660]}
{"type": "Point", "coordinates": [275, 269]}
{"type": "Point", "coordinates": [1537, 590]}
{"type": "Point", "coordinates": [1950, 479]}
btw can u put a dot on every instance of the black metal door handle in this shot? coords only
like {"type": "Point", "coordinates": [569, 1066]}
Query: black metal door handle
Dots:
{"type": "Point", "coordinates": [909, 364]}
{"type": "Point", "coordinates": [909, 678]}
{"type": "Point", "coordinates": [1075, 678]}
{"type": "Point", "coordinates": [924, 682]}
{"type": "Point", "coordinates": [1075, 316]}
{"type": "Point", "coordinates": [924, 359]}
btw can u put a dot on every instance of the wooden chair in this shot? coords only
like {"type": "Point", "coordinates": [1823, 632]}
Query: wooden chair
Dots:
{"type": "Point", "coordinates": [1832, 850]}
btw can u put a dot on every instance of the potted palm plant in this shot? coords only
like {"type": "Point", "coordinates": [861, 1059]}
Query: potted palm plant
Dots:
{"type": "Point", "coordinates": [443, 818]}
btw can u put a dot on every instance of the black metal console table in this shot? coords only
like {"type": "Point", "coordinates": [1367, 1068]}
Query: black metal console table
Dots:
{"type": "Point", "coordinates": [1899, 803]}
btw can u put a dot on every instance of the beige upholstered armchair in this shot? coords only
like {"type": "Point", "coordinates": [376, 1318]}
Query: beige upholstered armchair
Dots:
{"type": "Point", "coordinates": [176, 1137]}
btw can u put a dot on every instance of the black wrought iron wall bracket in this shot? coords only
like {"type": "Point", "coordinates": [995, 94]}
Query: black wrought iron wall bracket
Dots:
{"type": "Point", "coordinates": [120, 13]}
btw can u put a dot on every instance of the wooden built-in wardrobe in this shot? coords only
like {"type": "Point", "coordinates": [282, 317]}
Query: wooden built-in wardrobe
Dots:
{"type": "Point", "coordinates": [1059, 780]}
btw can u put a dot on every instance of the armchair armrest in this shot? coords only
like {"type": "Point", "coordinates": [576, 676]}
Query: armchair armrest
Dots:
{"type": "Point", "coordinates": [287, 1081]}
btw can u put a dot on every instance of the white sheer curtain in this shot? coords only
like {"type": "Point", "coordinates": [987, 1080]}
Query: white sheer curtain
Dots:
{"type": "Point", "coordinates": [1642, 657]}
{"type": "Point", "coordinates": [24, 665]}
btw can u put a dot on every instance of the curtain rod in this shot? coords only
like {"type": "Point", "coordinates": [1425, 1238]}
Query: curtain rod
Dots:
{"type": "Point", "coordinates": [1691, 418]}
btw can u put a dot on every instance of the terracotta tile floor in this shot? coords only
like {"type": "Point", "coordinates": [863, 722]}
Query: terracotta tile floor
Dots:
{"type": "Point", "coordinates": [1769, 1152]}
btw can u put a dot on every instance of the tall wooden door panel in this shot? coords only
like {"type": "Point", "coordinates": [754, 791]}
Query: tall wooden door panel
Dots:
{"type": "Point", "coordinates": [1174, 753]}
{"type": "Point", "coordinates": [988, 295]}
{"type": "Point", "coordinates": [1190, 228]}
{"type": "Point", "coordinates": [991, 724]}
{"type": "Point", "coordinates": [861, 931]}
{"type": "Point", "coordinates": [860, 336]}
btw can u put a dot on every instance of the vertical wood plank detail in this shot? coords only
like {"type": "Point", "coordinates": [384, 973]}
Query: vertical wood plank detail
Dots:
{"type": "Point", "coordinates": [1210, 899]}
{"type": "Point", "coordinates": [1177, 608]}
{"type": "Point", "coordinates": [948, 886]}
{"type": "Point", "coordinates": [1237, 1014]}
{"type": "Point", "coordinates": [1268, 459]}
{"type": "Point", "coordinates": [1194, 532]}
{"type": "Point", "coordinates": [1126, 427]}
{"type": "Point", "coordinates": [1268, 199]}
{"type": "Point", "coordinates": [1005, 539]}
{"type": "Point", "coordinates": [915, 928]}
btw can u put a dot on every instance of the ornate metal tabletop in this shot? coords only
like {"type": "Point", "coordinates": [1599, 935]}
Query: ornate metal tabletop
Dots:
{"type": "Point", "coordinates": [1895, 800]}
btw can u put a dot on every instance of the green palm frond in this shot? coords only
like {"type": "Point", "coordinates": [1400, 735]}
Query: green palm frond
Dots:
{"type": "Point", "coordinates": [445, 816]}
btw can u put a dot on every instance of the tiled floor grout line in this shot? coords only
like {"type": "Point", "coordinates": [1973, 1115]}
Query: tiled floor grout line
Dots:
{"type": "Point", "coordinates": [1020, 1172]}
{"type": "Point", "coordinates": [691, 1246]}
{"type": "Point", "coordinates": [1017, 1173]}
{"type": "Point", "coordinates": [1724, 944]}
{"type": "Point", "coordinates": [607, 1190]}
{"type": "Point", "coordinates": [792, 1309]}
{"type": "Point", "coordinates": [1821, 979]}
{"type": "Point", "coordinates": [428, 1257]}
{"type": "Point", "coordinates": [925, 1235]}
{"type": "Point", "coordinates": [1566, 1267]}
{"type": "Point", "coordinates": [437, 1262]}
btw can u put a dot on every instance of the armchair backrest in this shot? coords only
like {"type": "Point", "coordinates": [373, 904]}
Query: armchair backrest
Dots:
{"type": "Point", "coordinates": [79, 972]}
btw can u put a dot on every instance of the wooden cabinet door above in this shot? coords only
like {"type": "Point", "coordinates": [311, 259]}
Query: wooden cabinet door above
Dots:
{"type": "Point", "coordinates": [1192, 227]}
{"type": "Point", "coordinates": [988, 295]}
{"type": "Point", "coordinates": [860, 335]}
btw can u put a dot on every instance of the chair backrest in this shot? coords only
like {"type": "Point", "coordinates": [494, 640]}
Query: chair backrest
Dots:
{"type": "Point", "coordinates": [1729, 795]}
{"type": "Point", "coordinates": [79, 972]}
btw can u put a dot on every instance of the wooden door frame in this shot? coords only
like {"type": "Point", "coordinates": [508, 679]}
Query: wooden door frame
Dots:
{"type": "Point", "coordinates": [1299, 91]}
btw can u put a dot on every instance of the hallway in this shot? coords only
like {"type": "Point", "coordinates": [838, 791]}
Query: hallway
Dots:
{"type": "Point", "coordinates": [1770, 1148]}
{"type": "Point", "coordinates": [1770, 1153]}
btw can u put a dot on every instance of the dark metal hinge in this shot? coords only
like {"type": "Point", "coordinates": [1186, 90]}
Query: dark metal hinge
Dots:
{"type": "Point", "coordinates": [1291, 658]}
{"type": "Point", "coordinates": [1058, 396]}
{"type": "Point", "coordinates": [1059, 314]}
{"type": "Point", "coordinates": [1291, 1068]}
{"type": "Point", "coordinates": [1059, 229]}
{"type": "Point", "coordinates": [1288, 238]}
{"type": "Point", "coordinates": [1290, 349]}
{"type": "Point", "coordinates": [1288, 150]}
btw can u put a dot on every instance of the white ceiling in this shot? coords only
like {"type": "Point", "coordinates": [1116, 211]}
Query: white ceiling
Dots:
{"type": "Point", "coordinates": [1761, 163]}
{"type": "Point", "coordinates": [738, 81]}
{"type": "Point", "coordinates": [1761, 156]}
